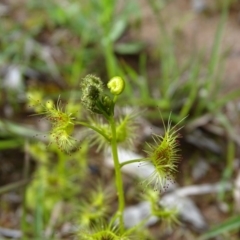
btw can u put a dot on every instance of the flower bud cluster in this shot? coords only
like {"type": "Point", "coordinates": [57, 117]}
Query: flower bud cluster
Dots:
{"type": "Point", "coordinates": [93, 97]}
{"type": "Point", "coordinates": [92, 88]}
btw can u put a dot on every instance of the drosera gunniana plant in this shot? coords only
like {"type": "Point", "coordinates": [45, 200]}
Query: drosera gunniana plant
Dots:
{"type": "Point", "coordinates": [169, 216]}
{"type": "Point", "coordinates": [62, 124]}
{"type": "Point", "coordinates": [126, 130]}
{"type": "Point", "coordinates": [95, 208]}
{"type": "Point", "coordinates": [163, 153]}
{"type": "Point", "coordinates": [104, 232]}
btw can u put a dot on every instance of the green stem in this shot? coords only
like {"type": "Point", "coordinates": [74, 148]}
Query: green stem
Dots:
{"type": "Point", "coordinates": [115, 99]}
{"type": "Point", "coordinates": [118, 175]}
{"type": "Point", "coordinates": [95, 129]}
{"type": "Point", "coordinates": [61, 164]}
{"type": "Point", "coordinates": [132, 161]}
{"type": "Point", "coordinates": [26, 169]}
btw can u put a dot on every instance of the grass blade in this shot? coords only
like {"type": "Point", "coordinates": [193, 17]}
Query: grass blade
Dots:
{"type": "Point", "coordinates": [225, 227]}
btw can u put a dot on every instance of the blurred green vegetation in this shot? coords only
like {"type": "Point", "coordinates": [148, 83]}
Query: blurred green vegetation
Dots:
{"type": "Point", "coordinates": [51, 45]}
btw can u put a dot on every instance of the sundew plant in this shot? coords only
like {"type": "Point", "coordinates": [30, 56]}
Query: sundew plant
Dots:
{"type": "Point", "coordinates": [163, 153]}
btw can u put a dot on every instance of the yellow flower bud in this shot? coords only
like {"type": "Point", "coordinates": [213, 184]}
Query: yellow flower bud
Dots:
{"type": "Point", "coordinates": [116, 85]}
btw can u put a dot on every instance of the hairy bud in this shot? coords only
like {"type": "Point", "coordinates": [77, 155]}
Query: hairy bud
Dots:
{"type": "Point", "coordinates": [91, 87]}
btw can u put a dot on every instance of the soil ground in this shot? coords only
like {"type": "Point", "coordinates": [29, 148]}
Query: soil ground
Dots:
{"type": "Point", "coordinates": [197, 32]}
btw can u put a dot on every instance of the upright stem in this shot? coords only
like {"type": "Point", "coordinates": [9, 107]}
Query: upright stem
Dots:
{"type": "Point", "coordinates": [25, 177]}
{"type": "Point", "coordinates": [118, 175]}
